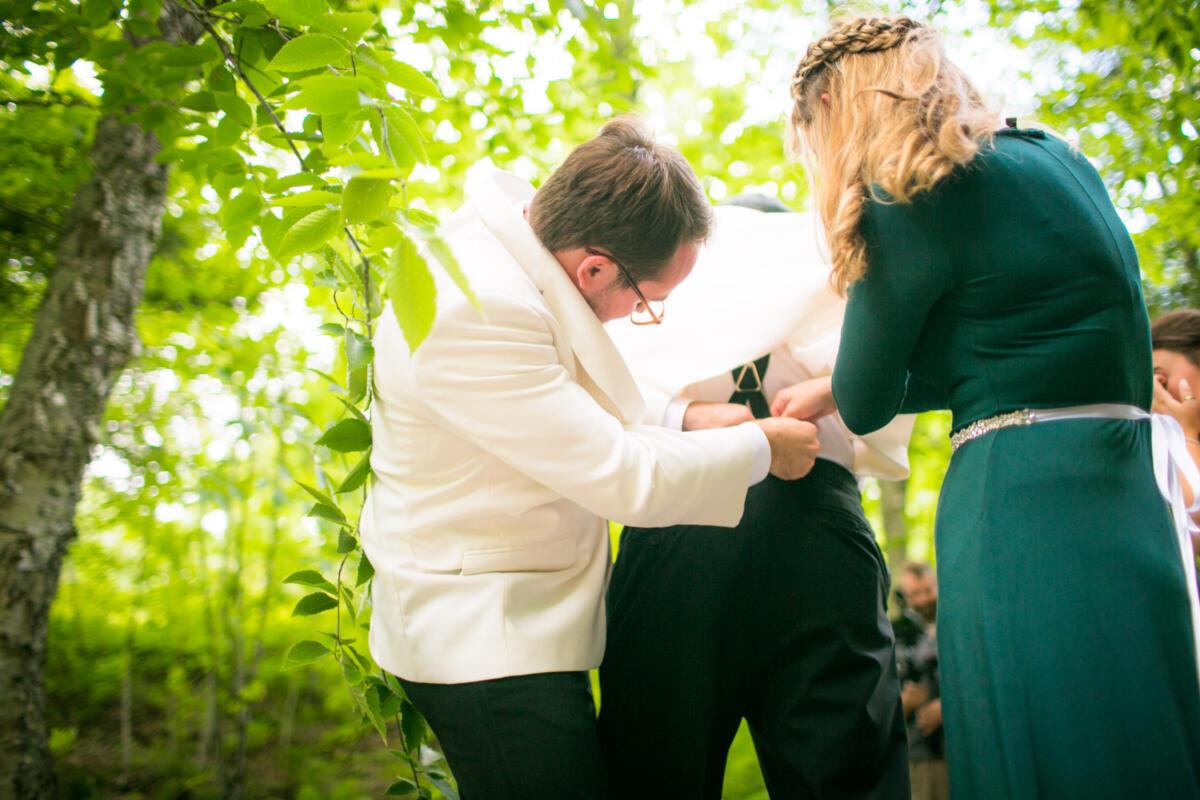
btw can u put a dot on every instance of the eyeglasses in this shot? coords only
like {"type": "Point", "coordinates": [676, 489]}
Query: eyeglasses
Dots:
{"type": "Point", "coordinates": [646, 312]}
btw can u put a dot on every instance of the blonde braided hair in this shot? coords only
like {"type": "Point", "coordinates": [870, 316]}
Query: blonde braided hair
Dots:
{"type": "Point", "coordinates": [875, 104]}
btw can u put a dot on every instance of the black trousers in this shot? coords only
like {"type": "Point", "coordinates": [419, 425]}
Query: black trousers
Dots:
{"type": "Point", "coordinates": [781, 621]}
{"type": "Point", "coordinates": [523, 738]}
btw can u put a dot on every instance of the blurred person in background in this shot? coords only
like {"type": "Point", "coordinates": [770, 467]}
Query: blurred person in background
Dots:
{"type": "Point", "coordinates": [917, 662]}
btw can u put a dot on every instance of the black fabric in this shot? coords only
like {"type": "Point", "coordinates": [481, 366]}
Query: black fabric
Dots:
{"type": "Point", "coordinates": [781, 621]}
{"type": "Point", "coordinates": [522, 738]}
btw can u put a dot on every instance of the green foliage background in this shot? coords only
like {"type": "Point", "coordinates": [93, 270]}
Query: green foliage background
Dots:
{"type": "Point", "coordinates": [169, 655]}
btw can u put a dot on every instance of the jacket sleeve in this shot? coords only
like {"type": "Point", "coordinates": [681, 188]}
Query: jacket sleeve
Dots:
{"type": "Point", "coordinates": [501, 385]}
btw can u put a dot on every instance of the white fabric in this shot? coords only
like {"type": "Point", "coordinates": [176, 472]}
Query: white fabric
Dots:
{"type": "Point", "coordinates": [500, 449]}
{"type": "Point", "coordinates": [760, 284]}
{"type": "Point", "coordinates": [761, 463]}
{"type": "Point", "coordinates": [1171, 461]}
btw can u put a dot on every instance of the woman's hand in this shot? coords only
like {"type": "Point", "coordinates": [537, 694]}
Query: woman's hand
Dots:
{"type": "Point", "coordinates": [810, 400]}
{"type": "Point", "coordinates": [701, 415]}
{"type": "Point", "coordinates": [1185, 409]}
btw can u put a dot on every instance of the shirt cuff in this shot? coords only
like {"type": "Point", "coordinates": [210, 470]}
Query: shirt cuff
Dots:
{"type": "Point", "coordinates": [673, 417]}
{"type": "Point", "coordinates": [760, 465]}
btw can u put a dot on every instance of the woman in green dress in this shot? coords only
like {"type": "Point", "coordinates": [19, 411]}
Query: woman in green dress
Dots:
{"type": "Point", "coordinates": [989, 274]}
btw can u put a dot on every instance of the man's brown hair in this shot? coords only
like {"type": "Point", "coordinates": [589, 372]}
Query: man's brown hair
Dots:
{"type": "Point", "coordinates": [625, 194]}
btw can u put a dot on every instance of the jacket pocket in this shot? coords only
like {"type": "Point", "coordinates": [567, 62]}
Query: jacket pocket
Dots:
{"type": "Point", "coordinates": [545, 556]}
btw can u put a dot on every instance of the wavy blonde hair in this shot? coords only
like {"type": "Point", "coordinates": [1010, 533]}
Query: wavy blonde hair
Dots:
{"type": "Point", "coordinates": [876, 103]}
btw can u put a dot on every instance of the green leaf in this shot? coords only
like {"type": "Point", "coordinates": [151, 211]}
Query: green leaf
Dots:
{"type": "Point", "coordinates": [401, 788]}
{"type": "Point", "coordinates": [421, 219]}
{"type": "Point", "coordinates": [314, 603]}
{"type": "Point", "coordinates": [298, 13]}
{"type": "Point", "coordinates": [307, 651]}
{"type": "Point", "coordinates": [310, 232]}
{"type": "Point", "coordinates": [338, 129]}
{"type": "Point", "coordinates": [412, 292]}
{"type": "Point", "coordinates": [310, 51]}
{"type": "Point", "coordinates": [291, 181]}
{"type": "Point", "coordinates": [413, 726]}
{"type": "Point", "coordinates": [333, 329]}
{"type": "Point", "coordinates": [351, 672]}
{"type": "Point", "coordinates": [411, 79]}
{"type": "Point", "coordinates": [353, 409]}
{"type": "Point", "coordinates": [365, 571]}
{"type": "Point", "coordinates": [326, 376]}
{"type": "Point", "coordinates": [365, 199]}
{"type": "Point", "coordinates": [359, 350]}
{"type": "Point", "coordinates": [312, 578]}
{"type": "Point", "coordinates": [317, 494]}
{"type": "Point", "coordinates": [349, 26]}
{"type": "Point", "coordinates": [191, 55]}
{"type": "Point", "coordinates": [328, 94]}
{"type": "Point", "coordinates": [346, 542]}
{"type": "Point", "coordinates": [235, 108]}
{"type": "Point", "coordinates": [325, 511]}
{"type": "Point", "coordinates": [200, 101]}
{"type": "Point", "coordinates": [357, 476]}
{"type": "Point", "coordinates": [404, 124]}
{"type": "Point", "coordinates": [347, 436]}
{"type": "Point", "coordinates": [241, 211]}
{"type": "Point", "coordinates": [449, 263]}
{"type": "Point", "coordinates": [313, 197]}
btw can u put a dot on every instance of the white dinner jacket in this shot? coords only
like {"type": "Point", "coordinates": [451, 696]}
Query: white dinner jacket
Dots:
{"type": "Point", "coordinates": [500, 450]}
{"type": "Point", "coordinates": [760, 282]}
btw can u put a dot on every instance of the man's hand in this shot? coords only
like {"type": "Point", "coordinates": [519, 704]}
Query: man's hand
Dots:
{"type": "Point", "coordinates": [929, 717]}
{"type": "Point", "coordinates": [794, 446]}
{"type": "Point", "coordinates": [810, 400]}
{"type": "Point", "coordinates": [701, 415]}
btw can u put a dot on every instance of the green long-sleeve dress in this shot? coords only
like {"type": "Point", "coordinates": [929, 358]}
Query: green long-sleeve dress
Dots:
{"type": "Point", "coordinates": [1064, 627]}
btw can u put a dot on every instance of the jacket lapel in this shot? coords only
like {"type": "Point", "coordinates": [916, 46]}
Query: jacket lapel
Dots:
{"type": "Point", "coordinates": [500, 198]}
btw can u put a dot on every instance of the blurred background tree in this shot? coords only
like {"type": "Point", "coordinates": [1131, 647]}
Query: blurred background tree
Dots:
{"type": "Point", "coordinates": [167, 663]}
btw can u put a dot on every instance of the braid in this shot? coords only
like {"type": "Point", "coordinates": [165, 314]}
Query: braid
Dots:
{"type": "Point", "coordinates": [859, 35]}
{"type": "Point", "coordinates": [884, 116]}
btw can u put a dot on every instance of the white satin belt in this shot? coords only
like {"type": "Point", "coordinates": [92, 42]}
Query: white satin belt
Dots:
{"type": "Point", "coordinates": [1171, 461]}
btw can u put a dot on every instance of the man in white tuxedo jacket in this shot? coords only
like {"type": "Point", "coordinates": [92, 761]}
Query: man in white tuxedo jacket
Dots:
{"type": "Point", "coordinates": [505, 442]}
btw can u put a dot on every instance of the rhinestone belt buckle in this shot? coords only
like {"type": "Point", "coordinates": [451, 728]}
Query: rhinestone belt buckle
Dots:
{"type": "Point", "coordinates": [979, 427]}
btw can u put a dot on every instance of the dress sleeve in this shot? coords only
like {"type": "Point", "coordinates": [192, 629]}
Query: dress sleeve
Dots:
{"type": "Point", "coordinates": [908, 270]}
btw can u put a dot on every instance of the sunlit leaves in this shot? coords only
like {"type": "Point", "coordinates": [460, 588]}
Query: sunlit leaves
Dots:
{"type": "Point", "coordinates": [313, 197]}
{"type": "Point", "coordinates": [410, 79]}
{"type": "Point", "coordinates": [310, 51]}
{"type": "Point", "coordinates": [312, 579]}
{"type": "Point", "coordinates": [365, 571]}
{"type": "Point", "coordinates": [411, 290]}
{"type": "Point", "coordinates": [365, 199]}
{"type": "Point", "coordinates": [310, 232]}
{"type": "Point", "coordinates": [299, 13]}
{"type": "Point", "coordinates": [347, 436]}
{"type": "Point", "coordinates": [329, 94]}
{"type": "Point", "coordinates": [314, 603]}
{"type": "Point", "coordinates": [357, 476]}
{"type": "Point", "coordinates": [307, 652]}
{"type": "Point", "coordinates": [349, 26]}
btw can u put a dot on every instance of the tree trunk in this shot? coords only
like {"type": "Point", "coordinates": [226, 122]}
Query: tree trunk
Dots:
{"type": "Point", "coordinates": [83, 336]}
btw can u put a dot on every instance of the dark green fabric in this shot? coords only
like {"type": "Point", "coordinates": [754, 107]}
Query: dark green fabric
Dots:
{"type": "Point", "coordinates": [1065, 636]}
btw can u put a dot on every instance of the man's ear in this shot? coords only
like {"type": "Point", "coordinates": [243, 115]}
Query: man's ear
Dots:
{"type": "Point", "coordinates": [592, 273]}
